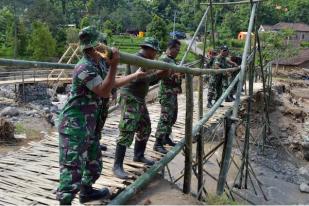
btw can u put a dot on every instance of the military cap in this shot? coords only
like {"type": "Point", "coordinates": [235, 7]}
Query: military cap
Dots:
{"type": "Point", "coordinates": [88, 37]}
{"type": "Point", "coordinates": [151, 42]}
{"type": "Point", "coordinates": [224, 48]}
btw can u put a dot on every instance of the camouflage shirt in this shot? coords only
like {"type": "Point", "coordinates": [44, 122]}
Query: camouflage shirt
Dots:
{"type": "Point", "coordinates": [209, 62]}
{"type": "Point", "coordinates": [139, 88]}
{"type": "Point", "coordinates": [82, 109]}
{"type": "Point", "coordinates": [221, 62]}
{"type": "Point", "coordinates": [170, 84]}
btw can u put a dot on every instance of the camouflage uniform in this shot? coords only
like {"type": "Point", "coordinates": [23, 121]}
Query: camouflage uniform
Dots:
{"type": "Point", "coordinates": [80, 155]}
{"type": "Point", "coordinates": [134, 112]}
{"type": "Point", "coordinates": [223, 80]}
{"type": "Point", "coordinates": [213, 80]}
{"type": "Point", "coordinates": [170, 87]}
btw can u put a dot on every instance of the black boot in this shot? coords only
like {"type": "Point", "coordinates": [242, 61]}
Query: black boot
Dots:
{"type": "Point", "coordinates": [228, 99]}
{"type": "Point", "coordinates": [139, 151]}
{"type": "Point", "coordinates": [209, 104]}
{"type": "Point", "coordinates": [118, 164]}
{"type": "Point", "coordinates": [61, 202]}
{"type": "Point", "coordinates": [87, 193]}
{"type": "Point", "coordinates": [158, 146]}
{"type": "Point", "coordinates": [103, 147]}
{"type": "Point", "coordinates": [167, 140]}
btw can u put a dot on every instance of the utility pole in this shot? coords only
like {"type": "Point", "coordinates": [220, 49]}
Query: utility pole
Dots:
{"type": "Point", "coordinates": [174, 25]}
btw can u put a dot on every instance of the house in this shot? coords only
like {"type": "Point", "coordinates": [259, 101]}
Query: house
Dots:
{"type": "Point", "coordinates": [242, 35]}
{"type": "Point", "coordinates": [301, 30]}
{"type": "Point", "coordinates": [297, 62]}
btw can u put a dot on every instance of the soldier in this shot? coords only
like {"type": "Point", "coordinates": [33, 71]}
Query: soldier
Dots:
{"type": "Point", "coordinates": [134, 113]}
{"type": "Point", "coordinates": [214, 79]}
{"type": "Point", "coordinates": [222, 62]}
{"type": "Point", "coordinates": [170, 87]}
{"type": "Point", "coordinates": [80, 156]}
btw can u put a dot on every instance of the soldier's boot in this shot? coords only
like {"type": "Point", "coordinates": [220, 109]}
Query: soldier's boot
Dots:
{"type": "Point", "coordinates": [232, 98]}
{"type": "Point", "coordinates": [228, 99]}
{"type": "Point", "coordinates": [139, 152]}
{"type": "Point", "coordinates": [158, 146]}
{"type": "Point", "coordinates": [167, 140]}
{"type": "Point", "coordinates": [87, 193]}
{"type": "Point", "coordinates": [103, 147]}
{"type": "Point", "coordinates": [62, 202]}
{"type": "Point", "coordinates": [209, 103]}
{"type": "Point", "coordinates": [118, 163]}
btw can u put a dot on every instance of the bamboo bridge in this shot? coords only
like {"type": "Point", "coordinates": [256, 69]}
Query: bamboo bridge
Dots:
{"type": "Point", "coordinates": [30, 175]}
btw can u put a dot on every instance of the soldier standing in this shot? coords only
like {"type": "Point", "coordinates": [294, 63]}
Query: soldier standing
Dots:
{"type": "Point", "coordinates": [170, 87]}
{"type": "Point", "coordinates": [80, 155]}
{"type": "Point", "coordinates": [134, 113]}
{"type": "Point", "coordinates": [214, 79]}
{"type": "Point", "coordinates": [222, 62]}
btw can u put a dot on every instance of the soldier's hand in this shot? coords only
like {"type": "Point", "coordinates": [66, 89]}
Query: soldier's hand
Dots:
{"type": "Point", "coordinates": [140, 73]}
{"type": "Point", "coordinates": [114, 61]}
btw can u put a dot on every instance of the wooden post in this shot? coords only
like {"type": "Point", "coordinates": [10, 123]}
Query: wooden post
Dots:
{"type": "Point", "coordinates": [199, 159]}
{"type": "Point", "coordinates": [188, 135]}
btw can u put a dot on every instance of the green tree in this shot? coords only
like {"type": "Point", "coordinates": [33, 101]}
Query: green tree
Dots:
{"type": "Point", "coordinates": [158, 29]}
{"type": "Point", "coordinates": [85, 22]}
{"type": "Point", "coordinates": [276, 45]}
{"type": "Point", "coordinates": [44, 11]}
{"type": "Point", "coordinates": [42, 45]}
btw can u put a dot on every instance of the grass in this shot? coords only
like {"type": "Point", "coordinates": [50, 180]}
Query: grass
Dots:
{"type": "Point", "coordinates": [220, 200]}
{"type": "Point", "coordinates": [20, 129]}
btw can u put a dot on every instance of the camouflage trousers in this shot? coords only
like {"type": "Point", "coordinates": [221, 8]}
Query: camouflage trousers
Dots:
{"type": "Point", "coordinates": [217, 85]}
{"type": "Point", "coordinates": [80, 163]}
{"type": "Point", "coordinates": [134, 119]}
{"type": "Point", "coordinates": [168, 117]}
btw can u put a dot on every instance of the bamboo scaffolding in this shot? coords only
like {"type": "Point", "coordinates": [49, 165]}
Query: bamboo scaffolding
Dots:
{"type": "Point", "coordinates": [231, 134]}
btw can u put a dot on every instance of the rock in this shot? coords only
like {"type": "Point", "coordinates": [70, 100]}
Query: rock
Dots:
{"type": "Point", "coordinates": [46, 110]}
{"type": "Point", "coordinates": [304, 187]}
{"type": "Point", "coordinates": [14, 119]}
{"type": "Point", "coordinates": [54, 109]}
{"type": "Point", "coordinates": [304, 172]}
{"type": "Point", "coordinates": [9, 111]}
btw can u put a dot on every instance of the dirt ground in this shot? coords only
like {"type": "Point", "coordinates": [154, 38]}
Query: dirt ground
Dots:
{"type": "Point", "coordinates": [162, 192]}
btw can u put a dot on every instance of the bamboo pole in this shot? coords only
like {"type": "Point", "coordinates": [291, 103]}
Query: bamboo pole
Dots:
{"type": "Point", "coordinates": [230, 138]}
{"type": "Point", "coordinates": [233, 2]}
{"type": "Point", "coordinates": [194, 36]}
{"type": "Point", "coordinates": [145, 178]}
{"type": "Point", "coordinates": [124, 58]}
{"type": "Point", "coordinates": [188, 135]}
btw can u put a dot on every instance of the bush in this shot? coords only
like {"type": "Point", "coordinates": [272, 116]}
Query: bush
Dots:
{"type": "Point", "coordinates": [304, 44]}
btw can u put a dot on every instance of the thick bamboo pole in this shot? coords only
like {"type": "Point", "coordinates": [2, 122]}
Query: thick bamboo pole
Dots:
{"type": "Point", "coordinates": [227, 156]}
{"type": "Point", "coordinates": [200, 141]}
{"type": "Point", "coordinates": [188, 135]}
{"type": "Point", "coordinates": [124, 58]}
{"type": "Point", "coordinates": [147, 176]}
{"type": "Point", "coordinates": [194, 36]}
